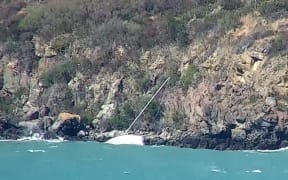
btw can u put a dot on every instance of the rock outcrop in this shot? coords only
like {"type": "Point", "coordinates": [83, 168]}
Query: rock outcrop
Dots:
{"type": "Point", "coordinates": [8, 128]}
{"type": "Point", "coordinates": [228, 84]}
{"type": "Point", "coordinates": [67, 125]}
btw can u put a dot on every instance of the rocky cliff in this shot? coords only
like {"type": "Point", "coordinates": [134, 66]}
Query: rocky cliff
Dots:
{"type": "Point", "coordinates": [227, 63]}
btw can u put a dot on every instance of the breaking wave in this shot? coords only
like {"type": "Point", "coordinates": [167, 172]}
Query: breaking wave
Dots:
{"type": "Point", "coordinates": [39, 137]}
{"type": "Point", "coordinates": [254, 171]}
{"type": "Point", "coordinates": [271, 151]}
{"type": "Point", "coordinates": [36, 150]}
{"type": "Point", "coordinates": [266, 151]}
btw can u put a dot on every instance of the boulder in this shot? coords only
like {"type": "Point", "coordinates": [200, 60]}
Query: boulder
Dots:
{"type": "Point", "coordinates": [34, 126]}
{"type": "Point", "coordinates": [37, 126]}
{"type": "Point", "coordinates": [9, 130]}
{"type": "Point", "coordinates": [67, 125]}
{"type": "Point", "coordinates": [81, 133]}
{"type": "Point", "coordinates": [67, 116]}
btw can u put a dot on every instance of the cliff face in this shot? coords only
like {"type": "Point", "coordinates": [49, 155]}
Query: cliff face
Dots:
{"type": "Point", "coordinates": [103, 60]}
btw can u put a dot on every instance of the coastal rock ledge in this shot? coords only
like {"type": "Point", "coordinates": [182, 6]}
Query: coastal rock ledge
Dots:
{"type": "Point", "coordinates": [190, 140]}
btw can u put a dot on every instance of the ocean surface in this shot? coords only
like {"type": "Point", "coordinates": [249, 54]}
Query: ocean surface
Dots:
{"type": "Point", "coordinates": [94, 161]}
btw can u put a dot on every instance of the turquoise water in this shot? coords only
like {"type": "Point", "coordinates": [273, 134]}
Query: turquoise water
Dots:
{"type": "Point", "coordinates": [90, 160]}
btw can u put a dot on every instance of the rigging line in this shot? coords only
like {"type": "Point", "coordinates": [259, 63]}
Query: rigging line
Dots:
{"type": "Point", "coordinates": [160, 102]}
{"type": "Point", "coordinates": [141, 112]}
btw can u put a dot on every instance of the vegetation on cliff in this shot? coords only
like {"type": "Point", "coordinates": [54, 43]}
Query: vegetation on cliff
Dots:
{"type": "Point", "coordinates": [109, 56]}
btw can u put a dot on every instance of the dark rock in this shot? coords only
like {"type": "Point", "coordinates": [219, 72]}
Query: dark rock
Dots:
{"type": "Point", "coordinates": [50, 135]}
{"type": "Point", "coordinates": [69, 127]}
{"type": "Point", "coordinates": [40, 125]}
{"type": "Point", "coordinates": [9, 130]}
{"type": "Point", "coordinates": [32, 114]}
{"type": "Point", "coordinates": [191, 142]}
{"type": "Point", "coordinates": [59, 99]}
{"type": "Point", "coordinates": [44, 111]}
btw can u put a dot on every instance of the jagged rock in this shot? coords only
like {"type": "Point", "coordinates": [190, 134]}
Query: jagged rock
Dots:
{"type": "Point", "coordinates": [11, 74]}
{"type": "Point", "coordinates": [67, 116]}
{"type": "Point", "coordinates": [81, 133]}
{"type": "Point", "coordinates": [37, 126]}
{"type": "Point", "coordinates": [204, 128]}
{"type": "Point", "coordinates": [67, 125]}
{"type": "Point", "coordinates": [8, 128]}
{"type": "Point", "coordinates": [44, 111]}
{"type": "Point", "coordinates": [32, 114]}
{"type": "Point", "coordinates": [238, 134]}
{"type": "Point", "coordinates": [43, 49]}
{"type": "Point", "coordinates": [59, 99]}
{"type": "Point", "coordinates": [271, 101]}
{"type": "Point", "coordinates": [107, 111]}
{"type": "Point", "coordinates": [34, 126]}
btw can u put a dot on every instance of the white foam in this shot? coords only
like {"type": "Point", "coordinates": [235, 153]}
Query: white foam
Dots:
{"type": "Point", "coordinates": [271, 151]}
{"type": "Point", "coordinates": [39, 137]}
{"type": "Point", "coordinates": [52, 147]}
{"type": "Point", "coordinates": [6, 140]}
{"type": "Point", "coordinates": [36, 150]}
{"type": "Point", "coordinates": [34, 137]}
{"type": "Point", "coordinates": [127, 139]}
{"type": "Point", "coordinates": [58, 140]}
{"type": "Point", "coordinates": [254, 171]}
{"type": "Point", "coordinates": [257, 171]}
{"type": "Point", "coordinates": [266, 151]}
{"type": "Point", "coordinates": [218, 170]}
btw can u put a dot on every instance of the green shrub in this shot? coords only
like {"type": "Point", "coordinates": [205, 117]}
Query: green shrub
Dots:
{"type": "Point", "coordinates": [12, 46]}
{"type": "Point", "coordinates": [127, 112]}
{"type": "Point", "coordinates": [174, 74]}
{"type": "Point", "coordinates": [231, 4]}
{"type": "Point", "coordinates": [33, 20]}
{"type": "Point", "coordinates": [253, 99]}
{"type": "Point", "coordinates": [88, 114]}
{"type": "Point", "coordinates": [3, 33]}
{"type": "Point", "coordinates": [123, 118]}
{"type": "Point", "coordinates": [270, 7]}
{"type": "Point", "coordinates": [60, 43]}
{"type": "Point", "coordinates": [6, 105]}
{"type": "Point", "coordinates": [154, 111]}
{"type": "Point", "coordinates": [177, 30]}
{"type": "Point", "coordinates": [198, 12]}
{"type": "Point", "coordinates": [278, 45]}
{"type": "Point", "coordinates": [53, 18]}
{"type": "Point", "coordinates": [179, 118]}
{"type": "Point", "coordinates": [144, 83]}
{"type": "Point", "coordinates": [61, 73]}
{"type": "Point", "coordinates": [225, 19]}
{"type": "Point", "coordinates": [9, 104]}
{"type": "Point", "coordinates": [189, 76]}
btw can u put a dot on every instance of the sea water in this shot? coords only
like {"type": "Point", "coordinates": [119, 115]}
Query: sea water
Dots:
{"type": "Point", "coordinates": [40, 160]}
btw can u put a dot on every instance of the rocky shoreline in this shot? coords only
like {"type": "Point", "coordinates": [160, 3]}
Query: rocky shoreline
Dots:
{"type": "Point", "coordinates": [228, 86]}
{"type": "Point", "coordinates": [166, 137]}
